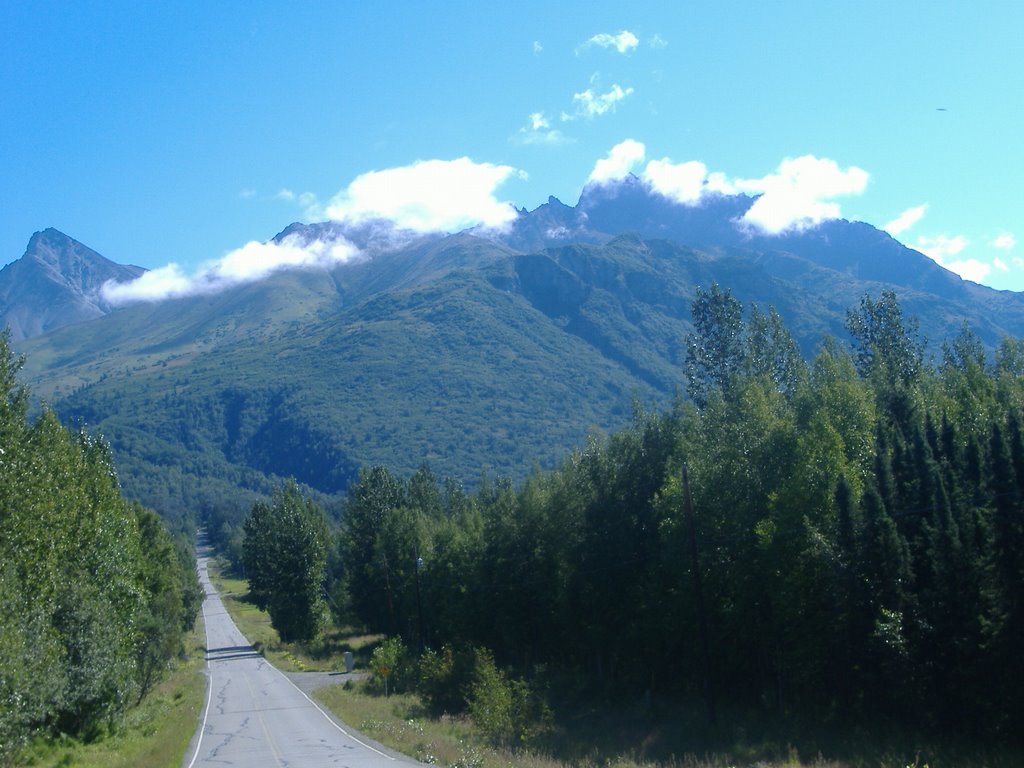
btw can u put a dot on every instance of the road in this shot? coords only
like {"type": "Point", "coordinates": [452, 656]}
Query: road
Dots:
{"type": "Point", "coordinates": [255, 717]}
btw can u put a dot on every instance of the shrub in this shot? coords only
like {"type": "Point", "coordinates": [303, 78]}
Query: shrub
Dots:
{"type": "Point", "coordinates": [445, 679]}
{"type": "Point", "coordinates": [506, 710]}
{"type": "Point", "coordinates": [389, 661]}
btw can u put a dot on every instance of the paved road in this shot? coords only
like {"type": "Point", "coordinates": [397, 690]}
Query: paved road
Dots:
{"type": "Point", "coordinates": [255, 716]}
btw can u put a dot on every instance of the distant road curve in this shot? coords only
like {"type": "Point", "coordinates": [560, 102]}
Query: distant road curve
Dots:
{"type": "Point", "coordinates": [255, 717]}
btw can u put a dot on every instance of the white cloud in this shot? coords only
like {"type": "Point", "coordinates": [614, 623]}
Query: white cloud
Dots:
{"type": "Point", "coordinates": [1001, 265]}
{"type": "Point", "coordinates": [253, 261]}
{"type": "Point", "coordinates": [939, 247]}
{"type": "Point", "coordinates": [539, 131]}
{"type": "Point", "coordinates": [155, 285]}
{"type": "Point", "coordinates": [970, 269]}
{"type": "Point", "coordinates": [553, 137]}
{"type": "Point", "coordinates": [906, 220]}
{"type": "Point", "coordinates": [247, 193]}
{"type": "Point", "coordinates": [590, 104]}
{"type": "Point", "coordinates": [621, 160]}
{"type": "Point", "coordinates": [428, 196]}
{"type": "Point", "coordinates": [624, 42]}
{"type": "Point", "coordinates": [1004, 242]}
{"type": "Point", "coordinates": [537, 48]}
{"type": "Point", "coordinates": [682, 182]}
{"type": "Point", "coordinates": [657, 42]}
{"type": "Point", "coordinates": [798, 195]}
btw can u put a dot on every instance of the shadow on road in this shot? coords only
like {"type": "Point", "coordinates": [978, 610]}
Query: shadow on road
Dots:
{"type": "Point", "coordinates": [232, 652]}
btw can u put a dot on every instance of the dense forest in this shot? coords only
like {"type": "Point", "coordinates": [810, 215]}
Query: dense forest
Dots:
{"type": "Point", "coordinates": [856, 550]}
{"type": "Point", "coordinates": [95, 593]}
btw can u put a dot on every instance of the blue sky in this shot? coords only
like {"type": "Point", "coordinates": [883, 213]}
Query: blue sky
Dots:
{"type": "Point", "coordinates": [163, 132]}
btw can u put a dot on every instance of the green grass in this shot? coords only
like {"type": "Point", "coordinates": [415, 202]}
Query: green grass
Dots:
{"type": "Point", "coordinates": [153, 735]}
{"type": "Point", "coordinates": [398, 722]}
{"type": "Point", "coordinates": [326, 654]}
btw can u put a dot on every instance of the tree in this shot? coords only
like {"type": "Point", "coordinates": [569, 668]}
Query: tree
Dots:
{"type": "Point", "coordinates": [386, 660]}
{"type": "Point", "coordinates": [772, 352]}
{"type": "Point", "coordinates": [285, 552]}
{"type": "Point", "coordinates": [166, 615]}
{"type": "Point", "coordinates": [884, 343]}
{"type": "Point", "coordinates": [714, 351]}
{"type": "Point", "coordinates": [370, 498]}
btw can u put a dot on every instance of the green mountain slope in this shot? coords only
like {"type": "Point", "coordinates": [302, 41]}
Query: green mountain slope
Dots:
{"type": "Point", "coordinates": [455, 351]}
{"type": "Point", "coordinates": [432, 363]}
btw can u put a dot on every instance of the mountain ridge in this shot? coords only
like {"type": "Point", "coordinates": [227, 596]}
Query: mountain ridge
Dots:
{"type": "Point", "coordinates": [461, 351]}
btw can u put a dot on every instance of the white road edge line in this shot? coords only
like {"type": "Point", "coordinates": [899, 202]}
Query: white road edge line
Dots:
{"type": "Point", "coordinates": [209, 697]}
{"type": "Point", "coordinates": [209, 686]}
{"type": "Point", "coordinates": [326, 716]}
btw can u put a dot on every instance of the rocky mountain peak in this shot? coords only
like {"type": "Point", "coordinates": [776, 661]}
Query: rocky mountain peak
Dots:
{"type": "Point", "coordinates": [55, 283]}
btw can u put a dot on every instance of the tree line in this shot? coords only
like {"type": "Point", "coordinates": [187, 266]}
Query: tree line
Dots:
{"type": "Point", "coordinates": [856, 551]}
{"type": "Point", "coordinates": [95, 593]}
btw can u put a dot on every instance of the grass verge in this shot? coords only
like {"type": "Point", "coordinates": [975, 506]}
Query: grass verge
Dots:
{"type": "Point", "coordinates": [398, 722]}
{"type": "Point", "coordinates": [154, 734]}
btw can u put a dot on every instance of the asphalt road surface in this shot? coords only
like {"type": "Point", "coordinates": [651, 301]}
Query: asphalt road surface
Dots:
{"type": "Point", "coordinates": [255, 716]}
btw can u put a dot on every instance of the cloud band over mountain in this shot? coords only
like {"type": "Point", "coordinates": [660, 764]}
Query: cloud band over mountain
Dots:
{"type": "Point", "coordinates": [253, 261]}
{"type": "Point", "coordinates": [798, 195]}
{"type": "Point", "coordinates": [454, 195]}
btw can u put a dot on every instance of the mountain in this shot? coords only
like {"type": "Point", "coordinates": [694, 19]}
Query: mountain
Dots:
{"type": "Point", "coordinates": [56, 283]}
{"type": "Point", "coordinates": [473, 352]}
{"type": "Point", "coordinates": [843, 258]}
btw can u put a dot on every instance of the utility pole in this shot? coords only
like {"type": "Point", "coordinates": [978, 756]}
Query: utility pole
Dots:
{"type": "Point", "coordinates": [709, 679]}
{"type": "Point", "coordinates": [387, 585]}
{"type": "Point", "coordinates": [419, 603]}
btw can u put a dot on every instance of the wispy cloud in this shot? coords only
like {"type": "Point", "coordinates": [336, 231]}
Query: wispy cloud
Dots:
{"type": "Point", "coordinates": [657, 42]}
{"type": "Point", "coordinates": [1005, 242]}
{"type": "Point", "coordinates": [538, 130]}
{"type": "Point", "coordinates": [970, 269]}
{"type": "Point", "coordinates": [941, 247]}
{"type": "Point", "coordinates": [253, 261]}
{"type": "Point", "coordinates": [537, 48]}
{"type": "Point", "coordinates": [429, 196]}
{"type": "Point", "coordinates": [906, 220]}
{"type": "Point", "coordinates": [623, 42]}
{"type": "Point", "coordinates": [589, 104]}
{"type": "Point", "coordinates": [306, 200]}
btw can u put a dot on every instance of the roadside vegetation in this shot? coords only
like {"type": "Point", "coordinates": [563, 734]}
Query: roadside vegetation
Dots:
{"type": "Point", "coordinates": [324, 653]}
{"type": "Point", "coordinates": [96, 597]}
{"type": "Point", "coordinates": [848, 586]}
{"type": "Point", "coordinates": [155, 734]}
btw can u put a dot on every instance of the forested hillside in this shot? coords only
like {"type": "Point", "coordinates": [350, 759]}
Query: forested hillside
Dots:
{"type": "Point", "coordinates": [460, 351]}
{"type": "Point", "coordinates": [858, 536]}
{"type": "Point", "coordinates": [95, 594]}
